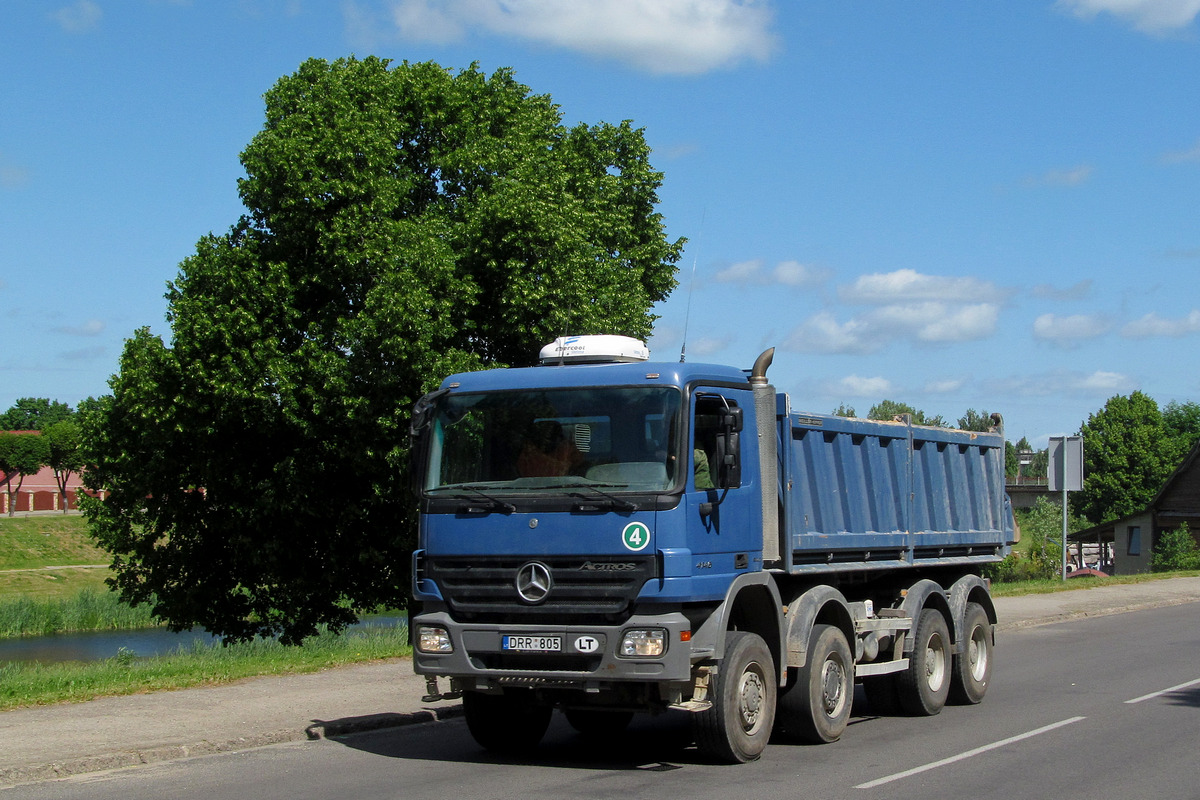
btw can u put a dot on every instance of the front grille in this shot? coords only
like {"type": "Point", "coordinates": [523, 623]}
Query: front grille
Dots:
{"type": "Point", "coordinates": [585, 589]}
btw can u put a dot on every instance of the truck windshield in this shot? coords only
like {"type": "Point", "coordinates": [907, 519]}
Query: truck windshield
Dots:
{"type": "Point", "coordinates": [617, 439]}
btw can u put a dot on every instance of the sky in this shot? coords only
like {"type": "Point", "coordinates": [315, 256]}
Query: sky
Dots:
{"type": "Point", "coordinates": [955, 205]}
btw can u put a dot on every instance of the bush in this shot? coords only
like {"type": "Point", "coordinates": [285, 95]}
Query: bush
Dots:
{"type": "Point", "coordinates": [1176, 550]}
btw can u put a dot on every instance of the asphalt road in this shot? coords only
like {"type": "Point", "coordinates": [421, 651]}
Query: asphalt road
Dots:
{"type": "Point", "coordinates": [1095, 708]}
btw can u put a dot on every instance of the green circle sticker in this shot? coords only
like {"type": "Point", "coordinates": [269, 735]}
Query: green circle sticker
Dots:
{"type": "Point", "coordinates": [636, 536]}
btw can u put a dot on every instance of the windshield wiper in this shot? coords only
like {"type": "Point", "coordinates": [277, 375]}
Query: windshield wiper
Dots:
{"type": "Point", "coordinates": [489, 503]}
{"type": "Point", "coordinates": [619, 503]}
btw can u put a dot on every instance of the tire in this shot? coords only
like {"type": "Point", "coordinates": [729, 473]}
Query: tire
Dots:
{"type": "Point", "coordinates": [738, 725]}
{"type": "Point", "coordinates": [922, 689]}
{"type": "Point", "coordinates": [973, 667]}
{"type": "Point", "coordinates": [817, 708]}
{"type": "Point", "coordinates": [594, 723]}
{"type": "Point", "coordinates": [507, 724]}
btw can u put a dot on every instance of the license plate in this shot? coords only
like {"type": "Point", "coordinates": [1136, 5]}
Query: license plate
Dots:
{"type": "Point", "coordinates": [540, 644]}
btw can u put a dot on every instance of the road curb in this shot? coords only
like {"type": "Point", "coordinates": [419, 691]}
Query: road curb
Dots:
{"type": "Point", "coordinates": [1035, 622]}
{"type": "Point", "coordinates": [36, 773]}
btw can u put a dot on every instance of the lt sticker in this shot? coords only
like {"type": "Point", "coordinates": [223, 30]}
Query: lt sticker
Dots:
{"type": "Point", "coordinates": [636, 536]}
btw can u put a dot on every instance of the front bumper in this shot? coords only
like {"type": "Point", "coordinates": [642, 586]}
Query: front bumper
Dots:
{"type": "Point", "coordinates": [588, 658]}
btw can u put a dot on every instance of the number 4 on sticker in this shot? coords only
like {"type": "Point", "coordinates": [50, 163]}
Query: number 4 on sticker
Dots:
{"type": "Point", "coordinates": [636, 536]}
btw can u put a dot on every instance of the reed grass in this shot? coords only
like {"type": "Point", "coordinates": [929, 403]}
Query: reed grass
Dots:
{"type": "Point", "coordinates": [88, 610]}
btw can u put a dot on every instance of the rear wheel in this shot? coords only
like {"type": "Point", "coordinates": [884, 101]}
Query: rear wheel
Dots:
{"type": "Point", "coordinates": [738, 725]}
{"type": "Point", "coordinates": [923, 687]}
{"type": "Point", "coordinates": [817, 707]}
{"type": "Point", "coordinates": [509, 723]}
{"type": "Point", "coordinates": [973, 667]}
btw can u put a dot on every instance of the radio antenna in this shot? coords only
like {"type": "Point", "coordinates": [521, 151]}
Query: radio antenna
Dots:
{"type": "Point", "coordinates": [687, 316]}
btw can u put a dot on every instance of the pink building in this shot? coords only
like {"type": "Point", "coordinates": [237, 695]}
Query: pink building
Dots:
{"type": "Point", "coordinates": [40, 492]}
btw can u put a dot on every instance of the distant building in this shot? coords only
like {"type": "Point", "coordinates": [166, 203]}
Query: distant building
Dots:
{"type": "Point", "coordinates": [1133, 538]}
{"type": "Point", "coordinates": [39, 492]}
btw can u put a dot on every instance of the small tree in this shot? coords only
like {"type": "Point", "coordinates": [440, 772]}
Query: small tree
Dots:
{"type": "Point", "coordinates": [1176, 550]}
{"type": "Point", "coordinates": [21, 454]}
{"type": "Point", "coordinates": [62, 454]}
{"type": "Point", "coordinates": [887, 409]}
{"type": "Point", "coordinates": [975, 421]}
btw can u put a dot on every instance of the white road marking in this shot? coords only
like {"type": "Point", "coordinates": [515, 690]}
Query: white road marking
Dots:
{"type": "Point", "coordinates": [1152, 695]}
{"type": "Point", "coordinates": [969, 754]}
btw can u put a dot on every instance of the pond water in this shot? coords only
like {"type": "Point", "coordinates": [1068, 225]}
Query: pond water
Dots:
{"type": "Point", "coordinates": [98, 645]}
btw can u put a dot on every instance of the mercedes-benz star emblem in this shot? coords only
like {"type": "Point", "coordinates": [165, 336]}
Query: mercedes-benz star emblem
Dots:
{"type": "Point", "coordinates": [534, 582]}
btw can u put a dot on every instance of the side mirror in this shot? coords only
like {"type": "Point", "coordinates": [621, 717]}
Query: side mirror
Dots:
{"type": "Point", "coordinates": [729, 449]}
{"type": "Point", "coordinates": [729, 460]}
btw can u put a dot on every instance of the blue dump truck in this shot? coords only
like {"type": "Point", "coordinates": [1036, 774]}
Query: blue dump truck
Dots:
{"type": "Point", "coordinates": [607, 535]}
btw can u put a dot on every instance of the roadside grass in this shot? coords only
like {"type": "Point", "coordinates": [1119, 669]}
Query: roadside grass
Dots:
{"type": "Point", "coordinates": [1015, 588]}
{"type": "Point", "coordinates": [200, 665]}
{"type": "Point", "coordinates": [47, 540]}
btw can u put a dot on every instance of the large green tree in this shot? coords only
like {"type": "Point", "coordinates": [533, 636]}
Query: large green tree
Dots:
{"type": "Point", "coordinates": [403, 222]}
{"type": "Point", "coordinates": [34, 414]}
{"type": "Point", "coordinates": [1127, 456]}
{"type": "Point", "coordinates": [1182, 422]}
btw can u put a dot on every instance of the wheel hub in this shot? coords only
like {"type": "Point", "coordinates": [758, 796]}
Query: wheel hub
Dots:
{"type": "Point", "coordinates": [832, 680]}
{"type": "Point", "coordinates": [750, 699]}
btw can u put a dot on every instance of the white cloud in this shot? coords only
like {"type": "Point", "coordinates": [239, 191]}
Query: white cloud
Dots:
{"type": "Point", "coordinates": [855, 386]}
{"type": "Point", "coordinates": [909, 285]}
{"type": "Point", "coordinates": [805, 276]}
{"type": "Point", "coordinates": [944, 386]}
{"type": "Point", "coordinates": [1189, 156]}
{"type": "Point", "coordinates": [741, 272]}
{"type": "Point", "coordinates": [1061, 177]}
{"type": "Point", "coordinates": [708, 345]}
{"type": "Point", "coordinates": [822, 333]}
{"type": "Point", "coordinates": [79, 17]}
{"type": "Point", "coordinates": [929, 322]}
{"type": "Point", "coordinates": [786, 273]}
{"type": "Point", "coordinates": [93, 327]}
{"type": "Point", "coordinates": [1078, 291]}
{"type": "Point", "coordinates": [680, 37]}
{"type": "Point", "coordinates": [1148, 16]}
{"type": "Point", "coordinates": [1154, 325]}
{"type": "Point", "coordinates": [1069, 331]}
{"type": "Point", "coordinates": [1065, 382]}
{"type": "Point", "coordinates": [86, 354]}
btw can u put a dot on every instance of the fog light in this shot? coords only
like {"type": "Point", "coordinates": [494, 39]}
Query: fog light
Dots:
{"type": "Point", "coordinates": [433, 640]}
{"type": "Point", "coordinates": [644, 643]}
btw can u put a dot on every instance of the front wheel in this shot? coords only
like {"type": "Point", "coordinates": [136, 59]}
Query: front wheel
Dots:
{"type": "Point", "coordinates": [509, 723]}
{"type": "Point", "coordinates": [923, 687]}
{"type": "Point", "coordinates": [817, 708]}
{"type": "Point", "coordinates": [737, 726]}
{"type": "Point", "coordinates": [973, 667]}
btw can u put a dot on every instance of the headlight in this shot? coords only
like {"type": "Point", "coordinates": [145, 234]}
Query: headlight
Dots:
{"type": "Point", "coordinates": [433, 640]}
{"type": "Point", "coordinates": [651, 642]}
